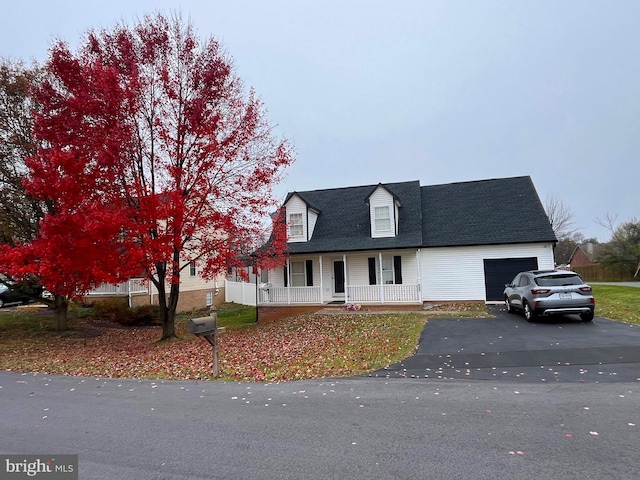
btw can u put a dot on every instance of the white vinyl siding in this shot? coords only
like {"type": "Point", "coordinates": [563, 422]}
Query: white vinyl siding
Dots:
{"type": "Point", "coordinates": [457, 273]}
{"type": "Point", "coordinates": [313, 218]}
{"type": "Point", "coordinates": [382, 212]}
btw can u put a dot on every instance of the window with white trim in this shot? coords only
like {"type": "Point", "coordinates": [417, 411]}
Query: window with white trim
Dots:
{"type": "Point", "coordinates": [295, 225]}
{"type": "Point", "coordinates": [382, 219]}
{"type": "Point", "coordinates": [192, 269]}
{"type": "Point", "coordinates": [298, 276]}
{"type": "Point", "coordinates": [209, 299]}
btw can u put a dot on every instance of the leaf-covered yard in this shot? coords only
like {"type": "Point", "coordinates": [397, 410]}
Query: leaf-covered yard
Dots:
{"type": "Point", "coordinates": [300, 347]}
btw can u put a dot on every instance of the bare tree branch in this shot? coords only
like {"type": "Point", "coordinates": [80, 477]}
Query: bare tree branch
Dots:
{"type": "Point", "coordinates": [560, 217]}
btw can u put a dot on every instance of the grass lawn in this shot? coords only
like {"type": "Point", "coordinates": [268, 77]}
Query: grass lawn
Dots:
{"type": "Point", "coordinates": [299, 347]}
{"type": "Point", "coordinates": [618, 302]}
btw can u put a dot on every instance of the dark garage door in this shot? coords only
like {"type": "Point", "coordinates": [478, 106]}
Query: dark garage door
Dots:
{"type": "Point", "coordinates": [499, 271]}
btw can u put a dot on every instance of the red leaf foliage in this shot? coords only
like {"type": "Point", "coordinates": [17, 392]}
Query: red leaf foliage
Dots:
{"type": "Point", "coordinates": [152, 156]}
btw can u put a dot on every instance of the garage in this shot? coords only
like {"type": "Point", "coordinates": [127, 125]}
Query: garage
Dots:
{"type": "Point", "coordinates": [498, 271]}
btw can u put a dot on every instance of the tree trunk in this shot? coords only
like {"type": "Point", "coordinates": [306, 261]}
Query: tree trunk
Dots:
{"type": "Point", "coordinates": [62, 307]}
{"type": "Point", "coordinates": [169, 325]}
{"type": "Point", "coordinates": [168, 305]}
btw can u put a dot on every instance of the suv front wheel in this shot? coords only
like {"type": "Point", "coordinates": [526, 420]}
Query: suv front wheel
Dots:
{"type": "Point", "coordinates": [529, 314]}
{"type": "Point", "coordinates": [507, 304]}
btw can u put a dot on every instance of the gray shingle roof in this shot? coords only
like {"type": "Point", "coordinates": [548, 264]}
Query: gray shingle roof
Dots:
{"type": "Point", "coordinates": [484, 212]}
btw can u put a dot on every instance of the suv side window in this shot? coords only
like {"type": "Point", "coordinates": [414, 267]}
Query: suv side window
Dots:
{"type": "Point", "coordinates": [524, 281]}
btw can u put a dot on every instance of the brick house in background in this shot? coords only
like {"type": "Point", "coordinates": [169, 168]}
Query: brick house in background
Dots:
{"type": "Point", "coordinates": [584, 255]}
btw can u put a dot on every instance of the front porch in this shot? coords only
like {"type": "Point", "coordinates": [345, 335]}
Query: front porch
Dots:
{"type": "Point", "coordinates": [364, 278]}
{"type": "Point", "coordinates": [374, 277]}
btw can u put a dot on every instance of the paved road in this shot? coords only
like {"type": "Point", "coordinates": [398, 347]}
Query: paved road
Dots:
{"type": "Point", "coordinates": [507, 347]}
{"type": "Point", "coordinates": [541, 422]}
{"type": "Point", "coordinates": [361, 428]}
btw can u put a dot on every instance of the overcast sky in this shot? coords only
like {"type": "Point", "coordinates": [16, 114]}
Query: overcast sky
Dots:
{"type": "Point", "coordinates": [436, 91]}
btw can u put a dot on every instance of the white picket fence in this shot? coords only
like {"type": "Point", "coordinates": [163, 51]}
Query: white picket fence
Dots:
{"type": "Point", "coordinates": [240, 292]}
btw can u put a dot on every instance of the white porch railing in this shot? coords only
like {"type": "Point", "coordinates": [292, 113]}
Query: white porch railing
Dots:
{"type": "Point", "coordinates": [407, 293]}
{"type": "Point", "coordinates": [245, 294]}
{"type": "Point", "coordinates": [291, 295]}
{"type": "Point", "coordinates": [135, 285]}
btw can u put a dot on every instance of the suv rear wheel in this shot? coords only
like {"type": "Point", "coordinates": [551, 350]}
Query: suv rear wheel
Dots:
{"type": "Point", "coordinates": [586, 317]}
{"type": "Point", "coordinates": [529, 314]}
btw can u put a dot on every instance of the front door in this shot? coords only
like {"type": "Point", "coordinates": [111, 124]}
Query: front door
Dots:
{"type": "Point", "coordinates": [338, 277]}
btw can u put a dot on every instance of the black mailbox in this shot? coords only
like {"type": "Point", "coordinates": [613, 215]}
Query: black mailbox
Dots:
{"type": "Point", "coordinates": [203, 326]}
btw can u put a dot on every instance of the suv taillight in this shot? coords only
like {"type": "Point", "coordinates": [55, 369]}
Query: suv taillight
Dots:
{"type": "Point", "coordinates": [540, 291]}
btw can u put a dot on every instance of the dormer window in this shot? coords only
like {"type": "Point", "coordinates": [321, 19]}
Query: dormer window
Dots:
{"type": "Point", "coordinates": [383, 212]}
{"type": "Point", "coordinates": [301, 218]}
{"type": "Point", "coordinates": [296, 227]}
{"type": "Point", "coordinates": [382, 219]}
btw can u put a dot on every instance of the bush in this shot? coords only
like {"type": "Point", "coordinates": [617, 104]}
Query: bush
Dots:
{"type": "Point", "coordinates": [117, 312]}
{"type": "Point", "coordinates": [146, 315]}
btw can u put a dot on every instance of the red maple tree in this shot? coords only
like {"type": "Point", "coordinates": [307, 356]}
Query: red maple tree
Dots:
{"type": "Point", "coordinates": [154, 157]}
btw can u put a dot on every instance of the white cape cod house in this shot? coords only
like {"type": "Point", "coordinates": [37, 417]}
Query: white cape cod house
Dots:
{"type": "Point", "coordinates": [402, 243]}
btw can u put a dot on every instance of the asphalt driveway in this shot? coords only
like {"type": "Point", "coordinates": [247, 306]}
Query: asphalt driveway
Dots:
{"type": "Point", "coordinates": [507, 347]}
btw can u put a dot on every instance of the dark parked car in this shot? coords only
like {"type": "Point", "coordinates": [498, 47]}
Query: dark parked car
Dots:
{"type": "Point", "coordinates": [16, 295]}
{"type": "Point", "coordinates": [549, 292]}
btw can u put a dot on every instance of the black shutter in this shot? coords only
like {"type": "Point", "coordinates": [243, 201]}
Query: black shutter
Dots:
{"type": "Point", "coordinates": [372, 270]}
{"type": "Point", "coordinates": [309, 268]}
{"type": "Point", "coordinates": [286, 277]}
{"type": "Point", "coordinates": [397, 269]}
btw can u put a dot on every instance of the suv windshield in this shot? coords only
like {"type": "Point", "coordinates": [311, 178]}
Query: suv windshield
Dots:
{"type": "Point", "coordinates": [558, 280]}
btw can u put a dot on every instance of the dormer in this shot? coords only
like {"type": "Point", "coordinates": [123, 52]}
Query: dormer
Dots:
{"type": "Point", "coordinates": [301, 218]}
{"type": "Point", "coordinates": [384, 208]}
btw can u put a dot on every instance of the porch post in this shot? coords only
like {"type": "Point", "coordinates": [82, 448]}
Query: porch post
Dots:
{"type": "Point", "coordinates": [288, 281]}
{"type": "Point", "coordinates": [381, 278]}
{"type": "Point", "coordinates": [321, 275]}
{"type": "Point", "coordinates": [346, 282]}
{"type": "Point", "coordinates": [419, 275]}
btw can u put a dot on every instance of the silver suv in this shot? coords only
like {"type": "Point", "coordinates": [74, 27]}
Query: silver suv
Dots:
{"type": "Point", "coordinates": [549, 292]}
